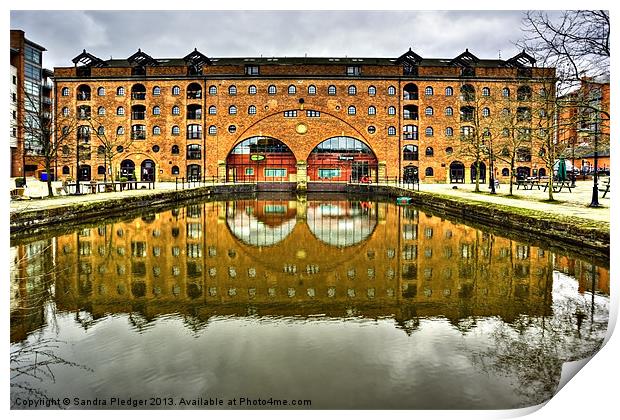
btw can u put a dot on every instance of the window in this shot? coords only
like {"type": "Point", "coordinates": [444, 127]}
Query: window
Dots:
{"type": "Point", "coordinates": [428, 111]}
{"type": "Point", "coordinates": [175, 150]}
{"type": "Point", "coordinates": [212, 90]}
{"type": "Point", "coordinates": [252, 90]}
{"type": "Point", "coordinates": [65, 112]}
{"type": "Point", "coordinates": [156, 91]}
{"type": "Point", "coordinates": [429, 152]}
{"type": "Point", "coordinates": [351, 110]}
{"type": "Point", "coordinates": [467, 132]}
{"type": "Point", "coordinates": [311, 90]}
{"type": "Point", "coordinates": [505, 172]}
{"type": "Point", "coordinates": [101, 131]}
{"type": "Point", "coordinates": [449, 112]}
{"type": "Point", "coordinates": [328, 173]}
{"type": "Point", "coordinates": [120, 131]}
{"type": "Point", "coordinates": [101, 111]}
{"type": "Point", "coordinates": [372, 110]}
{"type": "Point", "coordinates": [232, 90]}
{"type": "Point", "coordinates": [194, 131]}
{"type": "Point", "coordinates": [249, 171]}
{"type": "Point", "coordinates": [155, 148]}
{"type": "Point", "coordinates": [352, 90]}
{"type": "Point", "coordinates": [428, 91]}
{"type": "Point", "coordinates": [275, 173]}
{"type": "Point", "coordinates": [292, 90]}
{"type": "Point", "coordinates": [65, 170]}
{"type": "Point", "coordinates": [289, 114]}
{"type": "Point", "coordinates": [524, 93]}
{"type": "Point", "coordinates": [372, 129]}
{"type": "Point", "coordinates": [429, 131]}
{"type": "Point", "coordinates": [232, 110]}
{"type": "Point", "coordinates": [232, 129]}
{"type": "Point", "coordinates": [251, 110]}
{"type": "Point", "coordinates": [175, 170]}
{"type": "Point", "coordinates": [428, 171]}
{"type": "Point", "coordinates": [391, 131]}
{"type": "Point", "coordinates": [120, 91]}
{"type": "Point", "coordinates": [212, 110]}
{"type": "Point", "coordinates": [391, 91]}
{"type": "Point", "coordinates": [449, 151]}
{"type": "Point", "coordinates": [176, 91]}
{"type": "Point", "coordinates": [194, 151]}
{"type": "Point", "coordinates": [391, 110]}
{"type": "Point", "coordinates": [410, 132]}
{"type": "Point", "coordinates": [176, 110]}
{"type": "Point", "coordinates": [313, 114]}
{"type": "Point", "coordinates": [372, 91]}
{"type": "Point", "coordinates": [100, 91]}
{"type": "Point", "coordinates": [64, 91]}
{"type": "Point", "coordinates": [271, 90]}
{"type": "Point", "coordinates": [176, 130]}
{"type": "Point", "coordinates": [156, 131]}
{"type": "Point", "coordinates": [486, 91]}
{"type": "Point", "coordinates": [156, 110]}
{"type": "Point", "coordinates": [506, 92]}
{"type": "Point", "coordinates": [212, 130]}
{"type": "Point", "coordinates": [449, 91]}
{"type": "Point", "coordinates": [251, 70]}
{"type": "Point", "coordinates": [410, 152]}
{"type": "Point", "coordinates": [120, 111]}
{"type": "Point", "coordinates": [486, 112]}
{"type": "Point", "coordinates": [331, 90]}
{"type": "Point", "coordinates": [354, 70]}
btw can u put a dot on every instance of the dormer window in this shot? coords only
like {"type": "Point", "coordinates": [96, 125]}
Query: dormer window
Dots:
{"type": "Point", "coordinates": [354, 70]}
{"type": "Point", "coordinates": [251, 70]}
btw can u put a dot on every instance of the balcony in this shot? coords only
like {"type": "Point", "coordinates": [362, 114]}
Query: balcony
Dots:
{"type": "Point", "coordinates": [83, 96]}
{"type": "Point", "coordinates": [138, 96]}
{"type": "Point", "coordinates": [467, 118]}
{"type": "Point", "coordinates": [410, 116]}
{"type": "Point", "coordinates": [84, 115]}
{"type": "Point", "coordinates": [194, 115]}
{"type": "Point", "coordinates": [192, 155]}
{"type": "Point", "coordinates": [194, 94]}
{"type": "Point", "coordinates": [46, 100]}
{"type": "Point", "coordinates": [410, 136]}
{"type": "Point", "coordinates": [138, 115]}
{"type": "Point", "coordinates": [138, 135]}
{"type": "Point", "coordinates": [194, 136]}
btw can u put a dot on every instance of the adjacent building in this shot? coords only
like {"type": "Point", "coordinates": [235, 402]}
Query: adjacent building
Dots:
{"type": "Point", "coordinates": [297, 121]}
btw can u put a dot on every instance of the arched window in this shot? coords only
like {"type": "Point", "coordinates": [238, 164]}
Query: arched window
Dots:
{"type": "Point", "coordinates": [391, 91]}
{"type": "Point", "coordinates": [449, 91]}
{"type": "Point", "coordinates": [391, 131]}
{"type": "Point", "coordinates": [428, 111]}
{"type": "Point", "coordinates": [194, 91]}
{"type": "Point", "coordinates": [428, 171]}
{"type": "Point", "coordinates": [391, 110]}
{"type": "Point", "coordinates": [271, 90]}
{"type": "Point", "coordinates": [176, 130]}
{"type": "Point", "coordinates": [120, 91]}
{"type": "Point", "coordinates": [429, 152]}
{"type": "Point", "coordinates": [175, 170]}
{"type": "Point", "coordinates": [331, 90]}
{"type": "Point", "coordinates": [156, 91]}
{"type": "Point", "coordinates": [311, 90]}
{"type": "Point", "coordinates": [410, 152]}
{"type": "Point", "coordinates": [175, 150]}
{"type": "Point", "coordinates": [428, 91]}
{"type": "Point", "coordinates": [251, 110]}
{"type": "Point", "coordinates": [100, 170]}
{"type": "Point", "coordinates": [292, 90]}
{"type": "Point", "coordinates": [252, 90]}
{"type": "Point", "coordinates": [65, 111]}
{"type": "Point", "coordinates": [486, 91]}
{"type": "Point", "coordinates": [212, 90]}
{"type": "Point", "coordinates": [506, 92]}
{"type": "Point", "coordinates": [372, 110]}
{"type": "Point", "coordinates": [176, 110]}
{"type": "Point", "coordinates": [429, 131]}
{"type": "Point", "coordinates": [101, 91]}
{"type": "Point", "coordinates": [176, 91]}
{"type": "Point", "coordinates": [194, 132]}
{"type": "Point", "coordinates": [351, 110]}
{"type": "Point", "coordinates": [156, 110]}
{"type": "Point", "coordinates": [194, 151]}
{"type": "Point", "coordinates": [486, 112]}
{"type": "Point", "coordinates": [232, 110]}
{"type": "Point", "coordinates": [64, 91]}
{"type": "Point", "coordinates": [101, 111]}
{"type": "Point", "coordinates": [101, 130]}
{"type": "Point", "coordinates": [66, 150]}
{"type": "Point", "coordinates": [83, 93]}
{"type": "Point", "coordinates": [156, 130]}
{"type": "Point", "coordinates": [120, 131]}
{"type": "Point", "coordinates": [212, 130]}
{"type": "Point", "coordinates": [120, 111]}
{"type": "Point", "coordinates": [505, 172]}
{"type": "Point", "coordinates": [352, 90]}
{"type": "Point", "coordinates": [410, 132]}
{"type": "Point", "coordinates": [212, 110]}
{"type": "Point", "coordinates": [524, 93]}
{"type": "Point", "coordinates": [449, 131]}
{"type": "Point", "coordinates": [449, 151]}
{"type": "Point", "coordinates": [232, 90]}
{"type": "Point", "coordinates": [65, 170]}
{"type": "Point", "coordinates": [449, 112]}
{"type": "Point", "coordinates": [372, 91]}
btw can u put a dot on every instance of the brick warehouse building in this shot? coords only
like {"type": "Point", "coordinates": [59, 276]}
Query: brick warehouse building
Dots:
{"type": "Point", "coordinates": [297, 120]}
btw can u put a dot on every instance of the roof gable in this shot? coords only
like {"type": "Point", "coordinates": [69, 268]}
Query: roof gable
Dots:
{"type": "Point", "coordinates": [88, 60]}
{"type": "Point", "coordinates": [140, 58]}
{"type": "Point", "coordinates": [465, 59]}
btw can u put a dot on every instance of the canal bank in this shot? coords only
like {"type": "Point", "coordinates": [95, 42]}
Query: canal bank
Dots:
{"type": "Point", "coordinates": [550, 223]}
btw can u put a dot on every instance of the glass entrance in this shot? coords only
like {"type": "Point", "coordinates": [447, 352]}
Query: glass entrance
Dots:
{"type": "Point", "coordinates": [147, 170]}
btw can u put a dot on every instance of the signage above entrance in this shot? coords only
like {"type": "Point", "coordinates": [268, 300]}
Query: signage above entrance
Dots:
{"type": "Point", "coordinates": [257, 157]}
{"type": "Point", "coordinates": [345, 157]}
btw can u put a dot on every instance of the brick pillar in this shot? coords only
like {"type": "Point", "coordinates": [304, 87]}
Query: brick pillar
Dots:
{"type": "Point", "coordinates": [302, 207]}
{"type": "Point", "coordinates": [221, 170]}
{"type": "Point", "coordinates": [302, 175]}
{"type": "Point", "coordinates": [381, 170]}
{"type": "Point", "coordinates": [467, 174]}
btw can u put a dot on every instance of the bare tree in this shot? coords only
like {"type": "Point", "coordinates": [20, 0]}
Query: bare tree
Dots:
{"type": "Point", "coordinates": [472, 133]}
{"type": "Point", "coordinates": [110, 145]}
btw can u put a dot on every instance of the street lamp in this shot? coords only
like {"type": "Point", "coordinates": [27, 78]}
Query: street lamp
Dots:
{"type": "Point", "coordinates": [594, 202]}
{"type": "Point", "coordinates": [491, 167]}
{"type": "Point", "coordinates": [573, 176]}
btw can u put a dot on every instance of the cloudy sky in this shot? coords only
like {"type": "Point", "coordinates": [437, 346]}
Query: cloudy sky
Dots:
{"type": "Point", "coordinates": [167, 34]}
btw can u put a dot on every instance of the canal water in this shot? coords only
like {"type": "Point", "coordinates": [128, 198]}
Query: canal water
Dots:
{"type": "Point", "coordinates": [332, 301]}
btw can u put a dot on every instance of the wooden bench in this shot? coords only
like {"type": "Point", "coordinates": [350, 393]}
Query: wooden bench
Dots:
{"type": "Point", "coordinates": [558, 185]}
{"type": "Point", "coordinates": [606, 185]}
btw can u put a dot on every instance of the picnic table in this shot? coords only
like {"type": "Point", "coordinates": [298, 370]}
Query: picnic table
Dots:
{"type": "Point", "coordinates": [528, 183]}
{"type": "Point", "coordinates": [606, 184]}
{"type": "Point", "coordinates": [558, 185]}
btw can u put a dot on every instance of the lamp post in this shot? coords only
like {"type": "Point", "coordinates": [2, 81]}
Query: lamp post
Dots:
{"type": "Point", "coordinates": [594, 202]}
{"type": "Point", "coordinates": [573, 176]}
{"type": "Point", "coordinates": [491, 167]}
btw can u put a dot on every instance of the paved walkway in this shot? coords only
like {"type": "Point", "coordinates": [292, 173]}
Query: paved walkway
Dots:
{"type": "Point", "coordinates": [569, 203]}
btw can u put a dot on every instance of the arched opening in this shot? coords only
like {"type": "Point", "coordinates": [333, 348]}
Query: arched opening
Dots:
{"type": "Point", "coordinates": [138, 112]}
{"type": "Point", "coordinates": [523, 172]}
{"type": "Point", "coordinates": [341, 223]}
{"type": "Point", "coordinates": [457, 172]}
{"type": "Point", "coordinates": [483, 171]}
{"type": "Point", "coordinates": [468, 93]}
{"type": "Point", "coordinates": [84, 173]}
{"type": "Point", "coordinates": [194, 172]}
{"type": "Point", "coordinates": [128, 169]}
{"type": "Point", "coordinates": [138, 92]}
{"type": "Point", "coordinates": [410, 152]}
{"type": "Point", "coordinates": [147, 170]}
{"type": "Point", "coordinates": [260, 159]}
{"type": "Point", "coordinates": [194, 91]}
{"type": "Point", "coordinates": [194, 112]}
{"type": "Point", "coordinates": [66, 170]}
{"type": "Point", "coordinates": [505, 172]}
{"type": "Point", "coordinates": [261, 223]}
{"type": "Point", "coordinates": [542, 172]}
{"type": "Point", "coordinates": [83, 93]}
{"type": "Point", "coordinates": [410, 174]}
{"type": "Point", "coordinates": [101, 170]}
{"type": "Point", "coordinates": [342, 159]}
{"type": "Point", "coordinates": [410, 92]}
{"type": "Point", "coordinates": [410, 112]}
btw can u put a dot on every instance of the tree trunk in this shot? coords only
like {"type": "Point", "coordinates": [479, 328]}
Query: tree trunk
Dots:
{"type": "Point", "coordinates": [550, 181]}
{"type": "Point", "coordinates": [477, 176]}
{"type": "Point", "coordinates": [50, 192]}
{"type": "Point", "coordinates": [512, 173]}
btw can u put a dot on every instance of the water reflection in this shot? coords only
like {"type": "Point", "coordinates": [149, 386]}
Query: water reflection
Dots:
{"type": "Point", "coordinates": [218, 268]}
